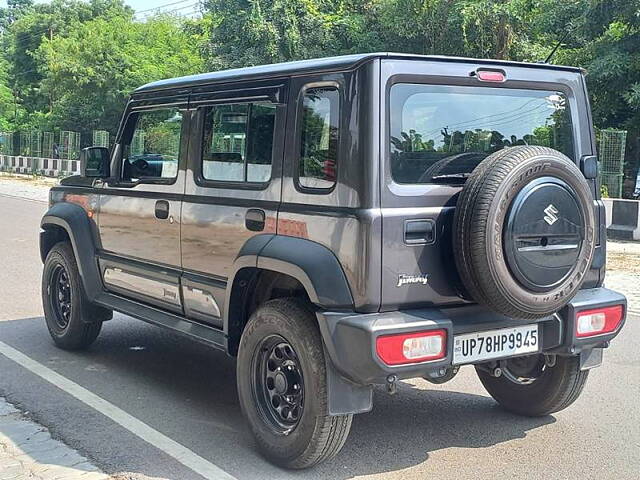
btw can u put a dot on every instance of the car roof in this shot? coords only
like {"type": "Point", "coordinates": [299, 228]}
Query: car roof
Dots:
{"type": "Point", "coordinates": [343, 62]}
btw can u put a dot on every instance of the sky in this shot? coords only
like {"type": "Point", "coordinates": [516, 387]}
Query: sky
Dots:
{"type": "Point", "coordinates": [177, 6]}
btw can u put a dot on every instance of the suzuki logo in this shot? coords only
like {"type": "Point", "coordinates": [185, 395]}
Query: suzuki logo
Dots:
{"type": "Point", "coordinates": [551, 216]}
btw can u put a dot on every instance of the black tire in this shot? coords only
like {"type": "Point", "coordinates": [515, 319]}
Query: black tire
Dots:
{"type": "Point", "coordinates": [555, 389]}
{"type": "Point", "coordinates": [73, 323]}
{"type": "Point", "coordinates": [481, 231]}
{"type": "Point", "coordinates": [315, 436]}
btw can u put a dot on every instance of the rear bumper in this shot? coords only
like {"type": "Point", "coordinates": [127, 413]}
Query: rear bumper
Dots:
{"type": "Point", "coordinates": [350, 338]}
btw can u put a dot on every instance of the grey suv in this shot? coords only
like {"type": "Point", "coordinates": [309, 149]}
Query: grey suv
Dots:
{"type": "Point", "coordinates": [345, 222]}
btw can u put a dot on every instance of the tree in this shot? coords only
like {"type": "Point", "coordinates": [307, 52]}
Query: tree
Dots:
{"type": "Point", "coordinates": [603, 38]}
{"type": "Point", "coordinates": [14, 10]}
{"type": "Point", "coordinates": [91, 71]}
{"type": "Point", "coordinates": [254, 32]}
{"type": "Point", "coordinates": [39, 22]}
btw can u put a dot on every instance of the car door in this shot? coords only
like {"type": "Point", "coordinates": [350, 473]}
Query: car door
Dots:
{"type": "Point", "coordinates": [232, 188]}
{"type": "Point", "coordinates": [140, 218]}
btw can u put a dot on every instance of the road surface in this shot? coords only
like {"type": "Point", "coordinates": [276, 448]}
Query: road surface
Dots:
{"type": "Point", "coordinates": [175, 393]}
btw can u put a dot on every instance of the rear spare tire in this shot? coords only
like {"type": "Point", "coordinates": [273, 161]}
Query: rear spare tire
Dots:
{"type": "Point", "coordinates": [524, 231]}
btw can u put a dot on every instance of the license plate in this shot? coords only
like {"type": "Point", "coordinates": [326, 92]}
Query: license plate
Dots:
{"type": "Point", "coordinates": [494, 344]}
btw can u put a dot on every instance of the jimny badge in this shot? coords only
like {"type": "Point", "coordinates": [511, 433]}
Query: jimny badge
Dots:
{"type": "Point", "coordinates": [412, 279]}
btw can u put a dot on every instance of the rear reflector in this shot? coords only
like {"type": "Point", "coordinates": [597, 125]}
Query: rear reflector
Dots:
{"type": "Point", "coordinates": [417, 347]}
{"type": "Point", "coordinates": [598, 321]}
{"type": "Point", "coordinates": [490, 76]}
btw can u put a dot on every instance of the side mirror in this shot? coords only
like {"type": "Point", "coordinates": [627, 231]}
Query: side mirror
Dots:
{"type": "Point", "coordinates": [94, 162]}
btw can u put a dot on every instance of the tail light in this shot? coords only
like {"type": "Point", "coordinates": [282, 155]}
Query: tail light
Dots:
{"type": "Point", "coordinates": [599, 321]}
{"type": "Point", "coordinates": [406, 348]}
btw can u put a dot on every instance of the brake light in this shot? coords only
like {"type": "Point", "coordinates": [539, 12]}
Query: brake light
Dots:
{"type": "Point", "coordinates": [599, 321]}
{"type": "Point", "coordinates": [490, 76]}
{"type": "Point", "coordinates": [404, 348]}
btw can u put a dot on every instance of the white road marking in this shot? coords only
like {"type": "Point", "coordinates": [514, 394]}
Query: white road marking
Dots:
{"type": "Point", "coordinates": [172, 448]}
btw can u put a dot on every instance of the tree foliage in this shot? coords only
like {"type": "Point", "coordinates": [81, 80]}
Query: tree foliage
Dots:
{"type": "Point", "coordinates": [89, 73]}
{"type": "Point", "coordinates": [71, 64]}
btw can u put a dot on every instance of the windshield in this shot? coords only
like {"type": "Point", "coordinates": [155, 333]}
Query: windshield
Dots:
{"type": "Point", "coordinates": [439, 134]}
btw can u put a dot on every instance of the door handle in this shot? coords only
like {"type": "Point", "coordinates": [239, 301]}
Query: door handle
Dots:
{"type": "Point", "coordinates": [162, 209]}
{"type": "Point", "coordinates": [254, 219]}
{"type": "Point", "coordinates": [419, 232]}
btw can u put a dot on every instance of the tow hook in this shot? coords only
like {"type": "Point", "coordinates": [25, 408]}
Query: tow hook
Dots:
{"type": "Point", "coordinates": [392, 386]}
{"type": "Point", "coordinates": [550, 361]}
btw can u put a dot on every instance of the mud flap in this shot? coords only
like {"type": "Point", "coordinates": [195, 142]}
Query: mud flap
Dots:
{"type": "Point", "coordinates": [345, 397]}
{"type": "Point", "coordinates": [590, 358]}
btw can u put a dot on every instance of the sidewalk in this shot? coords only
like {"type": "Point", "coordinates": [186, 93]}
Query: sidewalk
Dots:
{"type": "Point", "coordinates": [27, 452]}
{"type": "Point", "coordinates": [25, 186]}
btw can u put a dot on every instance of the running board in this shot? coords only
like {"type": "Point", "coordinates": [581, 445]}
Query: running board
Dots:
{"type": "Point", "coordinates": [211, 336]}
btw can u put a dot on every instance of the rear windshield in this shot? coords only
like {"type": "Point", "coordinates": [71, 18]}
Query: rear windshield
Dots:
{"type": "Point", "coordinates": [439, 133]}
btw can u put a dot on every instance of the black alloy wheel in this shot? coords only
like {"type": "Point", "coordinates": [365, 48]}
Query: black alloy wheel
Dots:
{"type": "Point", "coordinates": [278, 384]}
{"type": "Point", "coordinates": [73, 322]}
{"type": "Point", "coordinates": [60, 296]}
{"type": "Point", "coordinates": [283, 388]}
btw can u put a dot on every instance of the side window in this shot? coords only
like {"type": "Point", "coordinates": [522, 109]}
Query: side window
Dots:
{"type": "Point", "coordinates": [154, 146]}
{"type": "Point", "coordinates": [319, 141]}
{"type": "Point", "coordinates": [238, 142]}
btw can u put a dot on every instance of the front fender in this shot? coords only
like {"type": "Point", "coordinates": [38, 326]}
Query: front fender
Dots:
{"type": "Point", "coordinates": [74, 221]}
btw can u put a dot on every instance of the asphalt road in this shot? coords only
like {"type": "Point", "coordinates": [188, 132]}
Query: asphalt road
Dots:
{"type": "Point", "coordinates": [187, 392]}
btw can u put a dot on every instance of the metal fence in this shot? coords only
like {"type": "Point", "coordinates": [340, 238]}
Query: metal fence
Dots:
{"type": "Point", "coordinates": [31, 143]}
{"type": "Point", "coordinates": [611, 151]}
{"type": "Point", "coordinates": [39, 152]}
{"type": "Point", "coordinates": [48, 143]}
{"type": "Point", "coordinates": [64, 144]}
{"type": "Point", "coordinates": [6, 143]}
{"type": "Point", "coordinates": [69, 144]}
{"type": "Point", "coordinates": [100, 138]}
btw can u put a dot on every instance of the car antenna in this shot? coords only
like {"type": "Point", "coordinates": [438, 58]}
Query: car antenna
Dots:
{"type": "Point", "coordinates": [566, 33]}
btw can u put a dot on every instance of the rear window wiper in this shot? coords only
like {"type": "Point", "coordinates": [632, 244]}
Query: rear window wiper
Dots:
{"type": "Point", "coordinates": [451, 177]}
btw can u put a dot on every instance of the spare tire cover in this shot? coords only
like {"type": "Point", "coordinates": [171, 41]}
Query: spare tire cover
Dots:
{"type": "Point", "coordinates": [524, 231]}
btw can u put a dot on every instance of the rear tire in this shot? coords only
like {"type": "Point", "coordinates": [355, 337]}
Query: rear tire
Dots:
{"type": "Point", "coordinates": [555, 389]}
{"type": "Point", "coordinates": [73, 322]}
{"type": "Point", "coordinates": [299, 432]}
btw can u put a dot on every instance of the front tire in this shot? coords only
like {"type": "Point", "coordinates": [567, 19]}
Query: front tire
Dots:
{"type": "Point", "coordinates": [553, 389]}
{"type": "Point", "coordinates": [73, 322]}
{"type": "Point", "coordinates": [283, 388]}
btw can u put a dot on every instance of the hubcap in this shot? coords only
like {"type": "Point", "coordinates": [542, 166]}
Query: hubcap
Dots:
{"type": "Point", "coordinates": [544, 234]}
{"type": "Point", "coordinates": [60, 296]}
{"type": "Point", "coordinates": [278, 384]}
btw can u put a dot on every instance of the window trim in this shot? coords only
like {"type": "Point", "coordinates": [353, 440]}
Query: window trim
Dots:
{"type": "Point", "coordinates": [198, 176]}
{"type": "Point", "coordinates": [149, 180]}
{"type": "Point", "coordinates": [298, 139]}
{"type": "Point", "coordinates": [413, 189]}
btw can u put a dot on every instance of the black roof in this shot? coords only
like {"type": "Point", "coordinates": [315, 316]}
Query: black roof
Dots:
{"type": "Point", "coordinates": [343, 62]}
